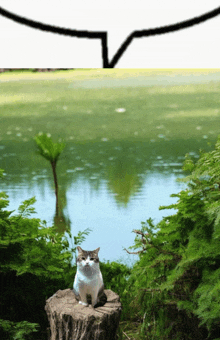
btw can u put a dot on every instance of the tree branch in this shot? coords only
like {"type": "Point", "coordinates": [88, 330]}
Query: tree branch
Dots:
{"type": "Point", "coordinates": [134, 252]}
{"type": "Point", "coordinates": [150, 243]}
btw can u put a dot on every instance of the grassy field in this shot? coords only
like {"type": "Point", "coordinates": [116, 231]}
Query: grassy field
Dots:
{"type": "Point", "coordinates": [56, 103]}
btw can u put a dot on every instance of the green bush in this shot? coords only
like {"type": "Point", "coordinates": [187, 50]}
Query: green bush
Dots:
{"type": "Point", "coordinates": [17, 330]}
{"type": "Point", "coordinates": [115, 277]}
{"type": "Point", "coordinates": [35, 263]}
{"type": "Point", "coordinates": [174, 286]}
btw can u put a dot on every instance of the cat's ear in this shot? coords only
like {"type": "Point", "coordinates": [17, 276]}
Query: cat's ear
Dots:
{"type": "Point", "coordinates": [96, 250]}
{"type": "Point", "coordinates": [79, 249]}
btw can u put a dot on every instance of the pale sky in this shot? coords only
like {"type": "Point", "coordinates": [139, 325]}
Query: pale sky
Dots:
{"type": "Point", "coordinates": [195, 47]}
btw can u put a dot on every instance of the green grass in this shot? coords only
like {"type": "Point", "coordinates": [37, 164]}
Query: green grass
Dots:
{"type": "Point", "coordinates": [129, 330]}
{"type": "Point", "coordinates": [52, 102]}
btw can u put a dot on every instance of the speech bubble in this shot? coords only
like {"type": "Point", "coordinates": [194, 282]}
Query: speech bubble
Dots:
{"type": "Point", "coordinates": [115, 22]}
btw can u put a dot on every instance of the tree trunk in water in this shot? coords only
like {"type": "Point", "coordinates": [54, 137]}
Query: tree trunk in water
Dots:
{"type": "Point", "coordinates": [71, 321]}
{"type": "Point", "coordinates": [53, 164]}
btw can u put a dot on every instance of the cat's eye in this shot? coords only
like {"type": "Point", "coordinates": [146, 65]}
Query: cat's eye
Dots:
{"type": "Point", "coordinates": [91, 258]}
{"type": "Point", "coordinates": [83, 258]}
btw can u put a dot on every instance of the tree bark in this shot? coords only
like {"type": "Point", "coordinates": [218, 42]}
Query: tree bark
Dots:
{"type": "Point", "coordinates": [53, 165]}
{"type": "Point", "coordinates": [71, 321]}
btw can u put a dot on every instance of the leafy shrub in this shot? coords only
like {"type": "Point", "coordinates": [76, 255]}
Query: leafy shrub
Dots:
{"type": "Point", "coordinates": [175, 283]}
{"type": "Point", "coordinates": [35, 263]}
{"type": "Point", "coordinates": [115, 277]}
{"type": "Point", "coordinates": [17, 330]}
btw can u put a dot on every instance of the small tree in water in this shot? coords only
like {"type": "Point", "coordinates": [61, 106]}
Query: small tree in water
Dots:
{"type": "Point", "coordinates": [50, 151]}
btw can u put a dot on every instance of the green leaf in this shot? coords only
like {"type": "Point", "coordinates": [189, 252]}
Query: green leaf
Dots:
{"type": "Point", "coordinates": [47, 148]}
{"type": "Point", "coordinates": [25, 208]}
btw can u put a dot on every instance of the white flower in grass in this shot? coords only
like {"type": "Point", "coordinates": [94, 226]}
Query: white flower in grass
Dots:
{"type": "Point", "coordinates": [104, 139]}
{"type": "Point", "coordinates": [120, 109]}
{"type": "Point", "coordinates": [65, 107]}
{"type": "Point", "coordinates": [48, 135]}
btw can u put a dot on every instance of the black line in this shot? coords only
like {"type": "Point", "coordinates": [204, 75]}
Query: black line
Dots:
{"type": "Point", "coordinates": [103, 35]}
{"type": "Point", "coordinates": [105, 51]}
{"type": "Point", "coordinates": [162, 30]}
{"type": "Point", "coordinates": [50, 28]}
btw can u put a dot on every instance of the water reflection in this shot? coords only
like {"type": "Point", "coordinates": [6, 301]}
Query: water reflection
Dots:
{"type": "Point", "coordinates": [123, 180]}
{"type": "Point", "coordinates": [122, 165]}
{"type": "Point", "coordinates": [107, 187]}
{"type": "Point", "coordinates": [61, 219]}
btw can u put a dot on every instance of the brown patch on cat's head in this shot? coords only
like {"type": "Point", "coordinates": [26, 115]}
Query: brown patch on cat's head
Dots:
{"type": "Point", "coordinates": [83, 254]}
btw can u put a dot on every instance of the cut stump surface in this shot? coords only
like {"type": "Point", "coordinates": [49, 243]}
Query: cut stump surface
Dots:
{"type": "Point", "coordinates": [71, 321]}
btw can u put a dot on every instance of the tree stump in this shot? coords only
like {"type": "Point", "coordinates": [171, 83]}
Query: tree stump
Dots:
{"type": "Point", "coordinates": [69, 320]}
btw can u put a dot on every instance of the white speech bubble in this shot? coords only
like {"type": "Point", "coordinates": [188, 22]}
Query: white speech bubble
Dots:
{"type": "Point", "coordinates": [119, 18]}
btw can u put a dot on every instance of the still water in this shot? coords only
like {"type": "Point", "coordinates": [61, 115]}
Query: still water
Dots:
{"type": "Point", "coordinates": [107, 187]}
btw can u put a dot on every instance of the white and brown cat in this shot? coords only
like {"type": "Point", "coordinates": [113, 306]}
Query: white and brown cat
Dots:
{"type": "Point", "coordinates": [88, 285]}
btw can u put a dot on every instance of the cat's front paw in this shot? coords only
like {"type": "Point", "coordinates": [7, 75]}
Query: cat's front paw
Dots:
{"type": "Point", "coordinates": [83, 303]}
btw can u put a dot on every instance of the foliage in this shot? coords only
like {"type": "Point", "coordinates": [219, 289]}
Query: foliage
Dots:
{"type": "Point", "coordinates": [47, 148]}
{"type": "Point", "coordinates": [35, 263]}
{"type": "Point", "coordinates": [28, 245]}
{"type": "Point", "coordinates": [175, 283]}
{"type": "Point", "coordinates": [115, 277]}
{"type": "Point", "coordinates": [50, 151]}
{"type": "Point", "coordinates": [81, 236]}
{"type": "Point", "coordinates": [17, 330]}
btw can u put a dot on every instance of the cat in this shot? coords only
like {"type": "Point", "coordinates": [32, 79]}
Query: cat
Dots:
{"type": "Point", "coordinates": [88, 285]}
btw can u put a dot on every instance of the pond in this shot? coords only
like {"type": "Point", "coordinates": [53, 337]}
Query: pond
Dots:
{"type": "Point", "coordinates": [108, 183]}
{"type": "Point", "coordinates": [106, 187]}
